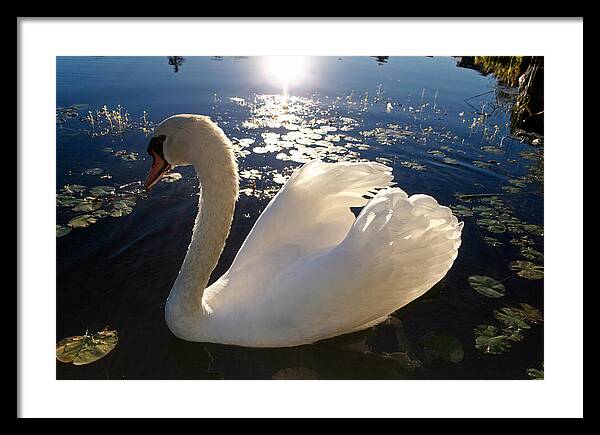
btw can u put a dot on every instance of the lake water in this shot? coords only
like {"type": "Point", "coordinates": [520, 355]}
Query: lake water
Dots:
{"type": "Point", "coordinates": [444, 131]}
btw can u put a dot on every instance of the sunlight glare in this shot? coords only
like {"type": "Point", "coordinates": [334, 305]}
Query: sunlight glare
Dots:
{"type": "Point", "coordinates": [286, 71]}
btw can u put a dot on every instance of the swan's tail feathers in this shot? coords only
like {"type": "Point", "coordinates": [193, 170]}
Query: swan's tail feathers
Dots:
{"type": "Point", "coordinates": [408, 243]}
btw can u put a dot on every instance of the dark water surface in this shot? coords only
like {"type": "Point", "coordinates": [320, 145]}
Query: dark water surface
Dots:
{"type": "Point", "coordinates": [425, 117]}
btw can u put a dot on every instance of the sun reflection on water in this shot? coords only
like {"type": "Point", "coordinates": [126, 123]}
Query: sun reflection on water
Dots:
{"type": "Point", "coordinates": [286, 71]}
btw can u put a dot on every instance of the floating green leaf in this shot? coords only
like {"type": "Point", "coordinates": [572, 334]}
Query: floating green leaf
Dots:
{"type": "Point", "coordinates": [295, 373]}
{"type": "Point", "coordinates": [85, 349]}
{"type": "Point", "coordinates": [73, 188]}
{"type": "Point", "coordinates": [102, 191]}
{"type": "Point", "coordinates": [536, 374]}
{"type": "Point", "coordinates": [513, 335]}
{"type": "Point", "coordinates": [531, 254]}
{"type": "Point", "coordinates": [482, 165]}
{"type": "Point", "coordinates": [436, 153]}
{"type": "Point", "coordinates": [444, 347]}
{"type": "Point", "coordinates": [450, 161]}
{"type": "Point", "coordinates": [536, 230]}
{"type": "Point", "coordinates": [531, 314]}
{"type": "Point", "coordinates": [511, 189]}
{"type": "Point", "coordinates": [82, 221]}
{"type": "Point", "coordinates": [93, 171]}
{"type": "Point", "coordinates": [122, 207]}
{"type": "Point", "coordinates": [491, 149]}
{"type": "Point", "coordinates": [99, 214]}
{"type": "Point", "coordinates": [511, 318]}
{"type": "Point", "coordinates": [518, 182]}
{"type": "Point", "coordinates": [488, 341]}
{"type": "Point", "coordinates": [492, 225]}
{"type": "Point", "coordinates": [123, 154]}
{"type": "Point", "coordinates": [487, 286]}
{"type": "Point", "coordinates": [62, 230]}
{"type": "Point", "coordinates": [527, 269]}
{"type": "Point", "coordinates": [461, 211]}
{"type": "Point", "coordinates": [67, 200]}
{"type": "Point", "coordinates": [492, 242]}
{"type": "Point", "coordinates": [88, 204]}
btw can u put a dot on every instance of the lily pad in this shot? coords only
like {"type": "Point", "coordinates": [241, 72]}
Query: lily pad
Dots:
{"type": "Point", "coordinates": [102, 191]}
{"type": "Point", "coordinates": [436, 153]}
{"type": "Point", "coordinates": [530, 313]}
{"type": "Point", "coordinates": [511, 318]}
{"type": "Point", "coordinates": [444, 347]}
{"type": "Point", "coordinates": [527, 269]}
{"type": "Point", "coordinates": [491, 225]}
{"type": "Point", "coordinates": [536, 374]}
{"type": "Point", "coordinates": [482, 165]}
{"type": "Point", "coordinates": [536, 230]}
{"type": "Point", "coordinates": [513, 335]}
{"type": "Point", "coordinates": [450, 161]}
{"type": "Point", "coordinates": [99, 214]}
{"type": "Point", "coordinates": [295, 373]}
{"type": "Point", "coordinates": [531, 254]}
{"type": "Point", "coordinates": [93, 171]}
{"type": "Point", "coordinates": [511, 189]}
{"type": "Point", "coordinates": [62, 230]}
{"type": "Point", "coordinates": [124, 155]}
{"type": "Point", "coordinates": [65, 200]}
{"type": "Point", "coordinates": [491, 149]}
{"type": "Point", "coordinates": [73, 188]}
{"type": "Point", "coordinates": [461, 211]}
{"type": "Point", "coordinates": [518, 182]}
{"type": "Point", "coordinates": [487, 286]}
{"type": "Point", "coordinates": [85, 220]}
{"type": "Point", "coordinates": [489, 341]}
{"type": "Point", "coordinates": [492, 242]}
{"type": "Point", "coordinates": [85, 349]}
{"type": "Point", "coordinates": [88, 204]}
{"type": "Point", "coordinates": [122, 207]}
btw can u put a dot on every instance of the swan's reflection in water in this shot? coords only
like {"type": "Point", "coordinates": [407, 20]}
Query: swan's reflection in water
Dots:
{"type": "Point", "coordinates": [363, 355]}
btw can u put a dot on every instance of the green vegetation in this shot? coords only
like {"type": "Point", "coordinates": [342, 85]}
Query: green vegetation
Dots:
{"type": "Point", "coordinates": [527, 73]}
{"type": "Point", "coordinates": [507, 69]}
{"type": "Point", "coordinates": [85, 349]}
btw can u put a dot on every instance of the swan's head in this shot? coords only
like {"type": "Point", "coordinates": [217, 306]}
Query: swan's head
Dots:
{"type": "Point", "coordinates": [160, 165]}
{"type": "Point", "coordinates": [190, 140]}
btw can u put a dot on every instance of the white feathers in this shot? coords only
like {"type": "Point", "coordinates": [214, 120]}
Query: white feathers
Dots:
{"type": "Point", "coordinates": [308, 270]}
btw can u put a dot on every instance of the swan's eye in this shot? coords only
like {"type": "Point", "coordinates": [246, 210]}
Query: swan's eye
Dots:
{"type": "Point", "coordinates": [160, 166]}
{"type": "Point", "coordinates": [156, 144]}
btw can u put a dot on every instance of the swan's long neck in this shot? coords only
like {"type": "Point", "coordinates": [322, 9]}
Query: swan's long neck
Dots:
{"type": "Point", "coordinates": [216, 167]}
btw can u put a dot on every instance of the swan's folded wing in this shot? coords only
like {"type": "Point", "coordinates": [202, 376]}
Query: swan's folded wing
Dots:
{"type": "Point", "coordinates": [397, 249]}
{"type": "Point", "coordinates": [310, 213]}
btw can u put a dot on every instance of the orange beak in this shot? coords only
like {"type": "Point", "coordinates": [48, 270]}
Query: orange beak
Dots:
{"type": "Point", "coordinates": [159, 168]}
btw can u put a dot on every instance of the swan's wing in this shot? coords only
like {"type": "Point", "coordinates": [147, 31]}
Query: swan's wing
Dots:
{"type": "Point", "coordinates": [397, 249]}
{"type": "Point", "coordinates": [310, 213]}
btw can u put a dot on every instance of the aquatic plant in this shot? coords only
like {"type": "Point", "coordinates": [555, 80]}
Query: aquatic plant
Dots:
{"type": "Point", "coordinates": [536, 374]}
{"type": "Point", "coordinates": [489, 341]}
{"type": "Point", "coordinates": [295, 373]}
{"type": "Point", "coordinates": [527, 269]}
{"type": "Point", "coordinates": [85, 349]}
{"type": "Point", "coordinates": [487, 286]}
{"type": "Point", "coordinates": [444, 347]}
{"type": "Point", "coordinates": [507, 69]}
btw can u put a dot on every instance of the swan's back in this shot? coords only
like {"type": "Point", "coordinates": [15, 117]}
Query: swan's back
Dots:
{"type": "Point", "coordinates": [309, 270]}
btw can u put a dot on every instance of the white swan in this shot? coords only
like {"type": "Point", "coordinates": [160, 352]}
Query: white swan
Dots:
{"type": "Point", "coordinates": [308, 270]}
